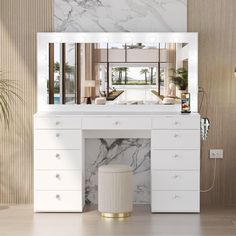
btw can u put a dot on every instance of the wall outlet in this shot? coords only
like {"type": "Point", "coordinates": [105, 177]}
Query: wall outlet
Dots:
{"type": "Point", "coordinates": [216, 153]}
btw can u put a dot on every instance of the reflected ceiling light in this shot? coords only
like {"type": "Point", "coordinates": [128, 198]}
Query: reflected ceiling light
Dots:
{"type": "Point", "coordinates": [58, 39]}
{"type": "Point", "coordinates": [81, 39]}
{"type": "Point", "coordinates": [105, 40]}
{"type": "Point", "coordinates": [128, 40]}
{"type": "Point", "coordinates": [152, 39]}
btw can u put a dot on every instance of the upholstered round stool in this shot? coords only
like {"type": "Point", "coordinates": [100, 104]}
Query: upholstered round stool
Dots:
{"type": "Point", "coordinates": [115, 190]}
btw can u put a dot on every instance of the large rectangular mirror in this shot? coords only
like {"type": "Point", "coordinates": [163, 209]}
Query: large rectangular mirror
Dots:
{"type": "Point", "coordinates": [128, 69]}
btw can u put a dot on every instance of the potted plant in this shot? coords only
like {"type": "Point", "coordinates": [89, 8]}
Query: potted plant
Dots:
{"type": "Point", "coordinates": [7, 95]}
{"type": "Point", "coordinates": [180, 79]}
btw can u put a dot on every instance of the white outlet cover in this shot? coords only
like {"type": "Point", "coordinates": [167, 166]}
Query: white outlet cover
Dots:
{"type": "Point", "coordinates": [216, 153]}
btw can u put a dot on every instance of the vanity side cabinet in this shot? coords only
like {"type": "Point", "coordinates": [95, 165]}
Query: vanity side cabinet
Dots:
{"type": "Point", "coordinates": [58, 164]}
{"type": "Point", "coordinates": [175, 163]}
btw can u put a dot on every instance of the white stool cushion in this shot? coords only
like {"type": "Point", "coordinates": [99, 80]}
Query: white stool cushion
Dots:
{"type": "Point", "coordinates": [115, 189]}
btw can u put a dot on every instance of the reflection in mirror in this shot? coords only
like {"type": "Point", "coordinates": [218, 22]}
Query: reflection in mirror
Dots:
{"type": "Point", "coordinates": [139, 73]}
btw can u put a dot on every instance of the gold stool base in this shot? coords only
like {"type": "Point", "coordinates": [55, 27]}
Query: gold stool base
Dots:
{"type": "Point", "coordinates": [116, 215]}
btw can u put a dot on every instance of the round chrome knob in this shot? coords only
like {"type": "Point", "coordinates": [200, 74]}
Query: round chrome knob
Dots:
{"type": "Point", "coordinates": [176, 123]}
{"type": "Point", "coordinates": [58, 156]}
{"type": "Point", "coordinates": [176, 156]}
{"type": "Point", "coordinates": [117, 122]}
{"type": "Point", "coordinates": [58, 176]}
{"type": "Point", "coordinates": [176, 176]}
{"type": "Point", "coordinates": [57, 122]}
{"type": "Point", "coordinates": [176, 196]}
{"type": "Point", "coordinates": [176, 135]}
{"type": "Point", "coordinates": [57, 135]}
{"type": "Point", "coordinates": [58, 197]}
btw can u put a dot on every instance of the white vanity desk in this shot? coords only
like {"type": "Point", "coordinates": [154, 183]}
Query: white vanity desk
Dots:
{"type": "Point", "coordinates": [60, 157]}
{"type": "Point", "coordinates": [60, 130]}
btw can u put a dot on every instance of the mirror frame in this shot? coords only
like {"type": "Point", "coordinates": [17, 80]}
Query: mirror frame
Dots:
{"type": "Point", "coordinates": [43, 39]}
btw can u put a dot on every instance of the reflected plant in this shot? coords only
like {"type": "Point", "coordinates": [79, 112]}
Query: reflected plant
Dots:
{"type": "Point", "coordinates": [180, 78]}
{"type": "Point", "coordinates": [8, 94]}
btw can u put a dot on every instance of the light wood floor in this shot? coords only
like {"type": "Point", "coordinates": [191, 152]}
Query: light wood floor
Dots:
{"type": "Point", "coordinates": [21, 221]}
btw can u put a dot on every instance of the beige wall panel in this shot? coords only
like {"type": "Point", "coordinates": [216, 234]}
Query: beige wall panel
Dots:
{"type": "Point", "coordinates": [216, 23]}
{"type": "Point", "coordinates": [19, 22]}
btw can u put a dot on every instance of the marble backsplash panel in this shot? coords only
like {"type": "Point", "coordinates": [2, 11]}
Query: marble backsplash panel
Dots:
{"type": "Point", "coordinates": [133, 152]}
{"type": "Point", "coordinates": [120, 15]}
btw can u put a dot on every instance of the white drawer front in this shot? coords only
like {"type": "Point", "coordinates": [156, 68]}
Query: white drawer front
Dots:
{"type": "Point", "coordinates": [57, 159]}
{"type": "Point", "coordinates": [58, 201]}
{"type": "Point", "coordinates": [176, 122]}
{"type": "Point", "coordinates": [175, 180]}
{"type": "Point", "coordinates": [119, 123]}
{"type": "Point", "coordinates": [57, 139]}
{"type": "Point", "coordinates": [57, 122]}
{"type": "Point", "coordinates": [57, 180]}
{"type": "Point", "coordinates": [175, 201]}
{"type": "Point", "coordinates": [175, 139]}
{"type": "Point", "coordinates": [175, 159]}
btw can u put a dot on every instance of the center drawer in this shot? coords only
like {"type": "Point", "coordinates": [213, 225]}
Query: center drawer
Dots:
{"type": "Point", "coordinates": [175, 180]}
{"type": "Point", "coordinates": [57, 180]}
{"type": "Point", "coordinates": [175, 139]}
{"type": "Point", "coordinates": [57, 139]}
{"type": "Point", "coordinates": [137, 123]}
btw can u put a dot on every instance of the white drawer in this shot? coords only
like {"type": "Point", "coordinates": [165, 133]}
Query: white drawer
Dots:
{"type": "Point", "coordinates": [57, 122]}
{"type": "Point", "coordinates": [58, 201]}
{"type": "Point", "coordinates": [138, 123]}
{"type": "Point", "coordinates": [57, 180]}
{"type": "Point", "coordinates": [175, 201]}
{"type": "Point", "coordinates": [57, 139]}
{"type": "Point", "coordinates": [175, 180]}
{"type": "Point", "coordinates": [175, 159]}
{"type": "Point", "coordinates": [175, 139]}
{"type": "Point", "coordinates": [57, 159]}
{"type": "Point", "coordinates": [176, 122]}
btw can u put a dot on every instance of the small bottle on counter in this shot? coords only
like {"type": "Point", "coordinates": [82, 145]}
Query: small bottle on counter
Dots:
{"type": "Point", "coordinates": [185, 103]}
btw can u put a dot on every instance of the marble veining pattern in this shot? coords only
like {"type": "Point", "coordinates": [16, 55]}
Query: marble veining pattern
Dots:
{"type": "Point", "coordinates": [133, 152]}
{"type": "Point", "coordinates": [120, 16]}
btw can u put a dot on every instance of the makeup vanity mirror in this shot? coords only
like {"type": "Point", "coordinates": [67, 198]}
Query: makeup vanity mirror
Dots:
{"type": "Point", "coordinates": [123, 68]}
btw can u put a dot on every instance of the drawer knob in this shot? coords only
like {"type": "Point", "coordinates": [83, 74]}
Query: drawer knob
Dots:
{"type": "Point", "coordinates": [176, 176]}
{"type": "Point", "coordinates": [57, 135]}
{"type": "Point", "coordinates": [58, 197]}
{"type": "Point", "coordinates": [176, 196]}
{"type": "Point", "coordinates": [176, 136]}
{"type": "Point", "coordinates": [58, 156]}
{"type": "Point", "coordinates": [176, 123]}
{"type": "Point", "coordinates": [57, 122]}
{"type": "Point", "coordinates": [117, 123]}
{"type": "Point", "coordinates": [176, 156]}
{"type": "Point", "coordinates": [58, 176]}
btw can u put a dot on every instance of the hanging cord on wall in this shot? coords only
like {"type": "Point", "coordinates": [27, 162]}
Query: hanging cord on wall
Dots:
{"type": "Point", "coordinates": [204, 99]}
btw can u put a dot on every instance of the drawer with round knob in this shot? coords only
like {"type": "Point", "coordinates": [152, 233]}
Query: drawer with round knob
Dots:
{"type": "Point", "coordinates": [57, 139]}
{"type": "Point", "coordinates": [176, 122]}
{"type": "Point", "coordinates": [175, 159]}
{"type": "Point", "coordinates": [120, 123]}
{"type": "Point", "coordinates": [57, 159]}
{"type": "Point", "coordinates": [57, 122]}
{"type": "Point", "coordinates": [175, 180]}
{"type": "Point", "coordinates": [175, 139]}
{"type": "Point", "coordinates": [175, 201]}
{"type": "Point", "coordinates": [57, 180]}
{"type": "Point", "coordinates": [58, 201]}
